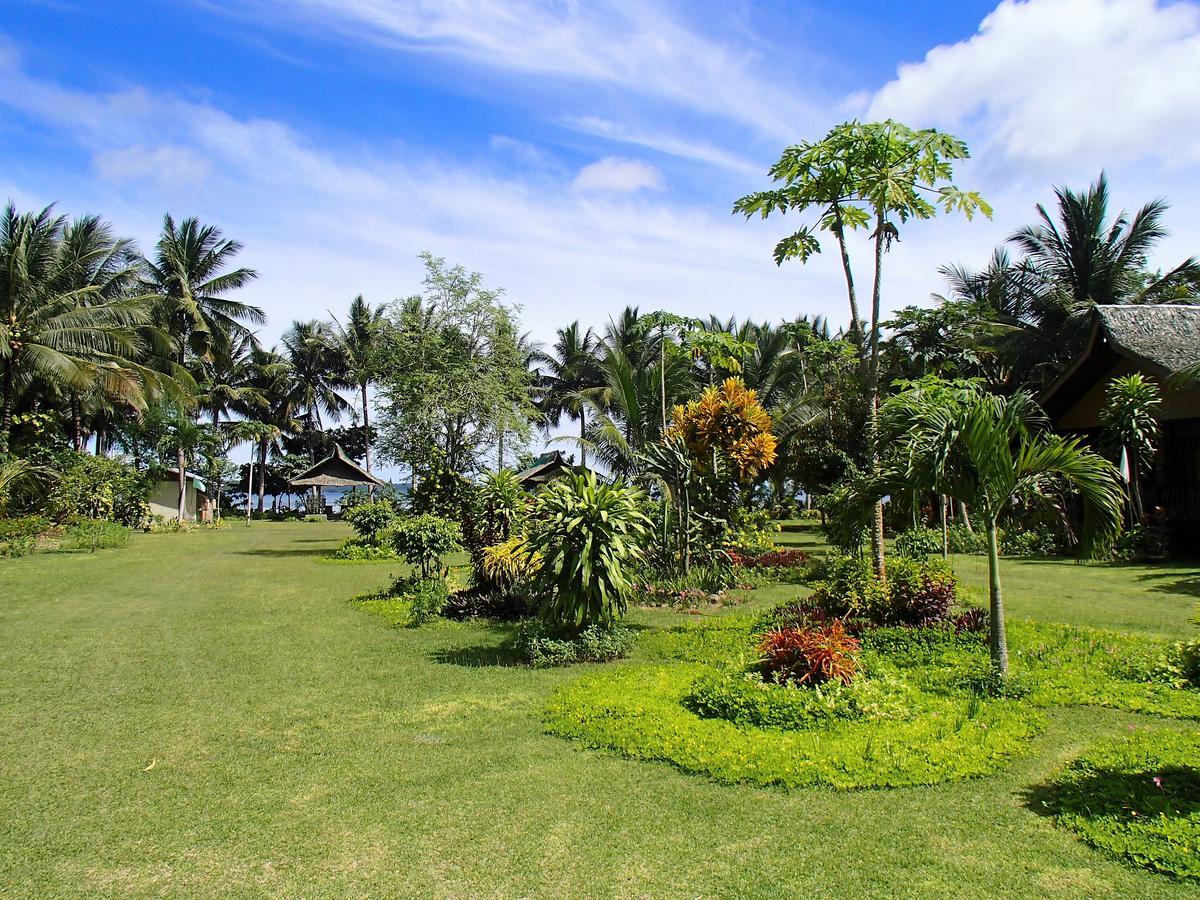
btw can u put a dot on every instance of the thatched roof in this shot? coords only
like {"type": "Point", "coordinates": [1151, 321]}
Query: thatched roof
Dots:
{"type": "Point", "coordinates": [336, 470]}
{"type": "Point", "coordinates": [1159, 338]}
{"type": "Point", "coordinates": [1164, 336]}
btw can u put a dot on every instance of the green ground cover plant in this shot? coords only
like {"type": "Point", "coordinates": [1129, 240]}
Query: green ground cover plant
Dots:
{"type": "Point", "coordinates": [1136, 798]}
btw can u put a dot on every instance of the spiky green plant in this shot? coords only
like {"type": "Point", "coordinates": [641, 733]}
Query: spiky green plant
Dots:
{"type": "Point", "coordinates": [588, 535]}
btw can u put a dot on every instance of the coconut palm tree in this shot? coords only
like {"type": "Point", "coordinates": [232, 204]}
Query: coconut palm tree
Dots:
{"type": "Point", "coordinates": [563, 376]}
{"type": "Point", "coordinates": [358, 343]}
{"type": "Point", "coordinates": [314, 367]}
{"type": "Point", "coordinates": [190, 274]}
{"type": "Point", "coordinates": [227, 379]}
{"type": "Point", "coordinates": [67, 316]}
{"type": "Point", "coordinates": [988, 450]}
{"type": "Point", "coordinates": [1091, 258]}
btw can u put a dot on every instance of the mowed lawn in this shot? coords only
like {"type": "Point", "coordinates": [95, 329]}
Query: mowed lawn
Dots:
{"type": "Point", "coordinates": [205, 714]}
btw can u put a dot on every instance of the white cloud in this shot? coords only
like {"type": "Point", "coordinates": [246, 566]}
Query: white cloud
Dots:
{"type": "Point", "coordinates": [673, 145]}
{"type": "Point", "coordinates": [166, 164]}
{"type": "Point", "coordinates": [632, 45]}
{"type": "Point", "coordinates": [324, 222]}
{"type": "Point", "coordinates": [1048, 82]}
{"type": "Point", "coordinates": [618, 176]}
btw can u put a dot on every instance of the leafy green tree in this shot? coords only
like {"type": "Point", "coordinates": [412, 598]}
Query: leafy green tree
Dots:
{"type": "Point", "coordinates": [314, 376]}
{"type": "Point", "coordinates": [987, 450]}
{"type": "Point", "coordinates": [876, 175]}
{"type": "Point", "coordinates": [1129, 417]}
{"type": "Point", "coordinates": [455, 375]}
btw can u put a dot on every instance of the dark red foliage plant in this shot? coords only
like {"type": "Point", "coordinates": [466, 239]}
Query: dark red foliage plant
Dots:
{"type": "Point", "coordinates": [810, 656]}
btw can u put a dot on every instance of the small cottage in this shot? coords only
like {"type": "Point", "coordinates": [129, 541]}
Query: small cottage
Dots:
{"type": "Point", "coordinates": [164, 497]}
{"type": "Point", "coordinates": [1156, 340]}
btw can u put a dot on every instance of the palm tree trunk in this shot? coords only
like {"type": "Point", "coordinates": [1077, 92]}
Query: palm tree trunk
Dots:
{"type": "Point", "coordinates": [76, 424]}
{"type": "Point", "coordinates": [262, 478]}
{"type": "Point", "coordinates": [877, 547]}
{"type": "Point", "coordinates": [662, 373]}
{"type": "Point", "coordinates": [997, 640]}
{"type": "Point", "coordinates": [180, 463]}
{"type": "Point", "coordinates": [582, 432]}
{"type": "Point", "coordinates": [9, 391]}
{"type": "Point", "coordinates": [942, 501]}
{"type": "Point", "coordinates": [367, 438]}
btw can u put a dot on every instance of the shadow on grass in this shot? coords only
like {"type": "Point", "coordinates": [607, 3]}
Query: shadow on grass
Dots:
{"type": "Point", "coordinates": [280, 552]}
{"type": "Point", "coordinates": [1173, 582]}
{"type": "Point", "coordinates": [1172, 792]}
{"type": "Point", "coordinates": [478, 657]}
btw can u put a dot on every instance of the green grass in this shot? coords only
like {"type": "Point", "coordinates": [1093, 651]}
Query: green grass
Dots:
{"type": "Point", "coordinates": [206, 714]}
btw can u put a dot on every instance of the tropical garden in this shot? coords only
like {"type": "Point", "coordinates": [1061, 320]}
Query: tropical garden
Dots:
{"type": "Point", "coordinates": [784, 562]}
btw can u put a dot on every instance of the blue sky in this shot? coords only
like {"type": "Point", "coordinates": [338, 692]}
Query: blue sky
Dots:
{"type": "Point", "coordinates": [582, 155]}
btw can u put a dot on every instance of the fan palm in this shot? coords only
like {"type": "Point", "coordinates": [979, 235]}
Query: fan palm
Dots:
{"type": "Point", "coordinates": [67, 317]}
{"type": "Point", "coordinates": [357, 342]}
{"type": "Point", "coordinates": [987, 450]}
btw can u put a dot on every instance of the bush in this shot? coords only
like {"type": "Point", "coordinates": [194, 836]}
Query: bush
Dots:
{"type": "Point", "coordinates": [509, 567]}
{"type": "Point", "coordinates": [750, 533]}
{"type": "Point", "coordinates": [848, 588]}
{"type": "Point", "coordinates": [1030, 543]}
{"type": "Point", "coordinates": [543, 647]}
{"type": "Point", "coordinates": [917, 543]}
{"type": "Point", "coordinates": [371, 521]}
{"type": "Point", "coordinates": [587, 534]}
{"type": "Point", "coordinates": [98, 487]}
{"type": "Point", "coordinates": [963, 540]}
{"type": "Point", "coordinates": [93, 535]}
{"type": "Point", "coordinates": [809, 656]}
{"type": "Point", "coordinates": [921, 592]}
{"type": "Point", "coordinates": [916, 592]}
{"type": "Point", "coordinates": [1137, 799]}
{"type": "Point", "coordinates": [423, 540]}
{"type": "Point", "coordinates": [357, 550]}
{"type": "Point", "coordinates": [483, 603]}
{"type": "Point", "coordinates": [409, 601]}
{"type": "Point", "coordinates": [19, 536]}
{"type": "Point", "coordinates": [746, 700]}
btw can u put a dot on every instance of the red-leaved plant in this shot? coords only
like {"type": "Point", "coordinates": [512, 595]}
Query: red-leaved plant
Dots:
{"type": "Point", "coordinates": [810, 655]}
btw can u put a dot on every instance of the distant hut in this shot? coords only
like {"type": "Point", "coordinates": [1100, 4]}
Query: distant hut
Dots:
{"type": "Point", "coordinates": [164, 497]}
{"type": "Point", "coordinates": [335, 470]}
{"type": "Point", "coordinates": [1156, 340]}
{"type": "Point", "coordinates": [547, 468]}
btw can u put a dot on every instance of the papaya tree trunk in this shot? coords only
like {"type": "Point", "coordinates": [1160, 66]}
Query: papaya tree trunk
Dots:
{"type": "Point", "coordinates": [877, 546]}
{"type": "Point", "coordinates": [998, 640]}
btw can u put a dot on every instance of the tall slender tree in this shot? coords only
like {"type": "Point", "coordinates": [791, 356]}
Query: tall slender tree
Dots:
{"type": "Point", "coordinates": [358, 342]}
{"type": "Point", "coordinates": [564, 375]}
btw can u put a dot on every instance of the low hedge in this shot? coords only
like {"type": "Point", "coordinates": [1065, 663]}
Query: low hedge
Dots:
{"type": "Point", "coordinates": [639, 712]}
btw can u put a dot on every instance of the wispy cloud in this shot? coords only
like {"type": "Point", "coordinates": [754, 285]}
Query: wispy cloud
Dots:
{"type": "Point", "coordinates": [617, 176]}
{"type": "Point", "coordinates": [673, 145]}
{"type": "Point", "coordinates": [635, 46]}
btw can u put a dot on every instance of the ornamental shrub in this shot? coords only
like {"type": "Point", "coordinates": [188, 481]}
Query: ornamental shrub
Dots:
{"type": "Point", "coordinates": [917, 543]}
{"type": "Point", "coordinates": [509, 567]}
{"type": "Point", "coordinates": [371, 520]}
{"type": "Point", "coordinates": [358, 550]}
{"type": "Point", "coordinates": [587, 535]}
{"type": "Point", "coordinates": [495, 513]}
{"type": "Point", "coordinates": [809, 656]}
{"type": "Point", "coordinates": [848, 588]}
{"type": "Point", "coordinates": [423, 540]}
{"type": "Point", "coordinates": [544, 646]}
{"type": "Point", "coordinates": [921, 592]}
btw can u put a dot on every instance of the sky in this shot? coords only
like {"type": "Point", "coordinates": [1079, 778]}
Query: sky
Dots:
{"type": "Point", "coordinates": [583, 156]}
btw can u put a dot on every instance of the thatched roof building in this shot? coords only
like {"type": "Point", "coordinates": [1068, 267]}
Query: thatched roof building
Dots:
{"type": "Point", "coordinates": [1156, 340]}
{"type": "Point", "coordinates": [336, 470]}
{"type": "Point", "coordinates": [545, 469]}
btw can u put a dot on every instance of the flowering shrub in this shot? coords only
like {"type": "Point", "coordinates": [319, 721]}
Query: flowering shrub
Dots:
{"type": "Point", "coordinates": [772, 559]}
{"type": "Point", "coordinates": [809, 655]}
{"type": "Point", "coordinates": [728, 419]}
